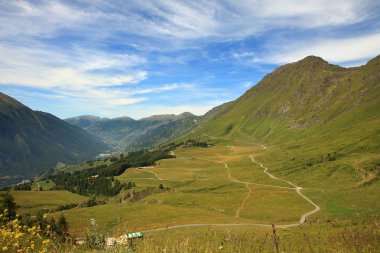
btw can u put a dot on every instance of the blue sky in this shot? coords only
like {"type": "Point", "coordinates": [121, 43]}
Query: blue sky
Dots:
{"type": "Point", "coordinates": [140, 58]}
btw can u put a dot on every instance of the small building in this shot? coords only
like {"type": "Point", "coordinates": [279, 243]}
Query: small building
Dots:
{"type": "Point", "coordinates": [134, 235]}
{"type": "Point", "coordinates": [24, 182]}
{"type": "Point", "coordinates": [94, 177]}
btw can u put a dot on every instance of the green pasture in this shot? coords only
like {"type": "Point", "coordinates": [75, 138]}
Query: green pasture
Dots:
{"type": "Point", "coordinates": [29, 201]}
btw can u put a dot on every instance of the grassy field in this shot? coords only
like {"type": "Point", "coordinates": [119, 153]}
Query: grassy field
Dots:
{"type": "Point", "coordinates": [222, 185]}
{"type": "Point", "coordinates": [326, 237]}
{"type": "Point", "coordinates": [44, 184]}
{"type": "Point", "coordinates": [29, 201]}
{"type": "Point", "coordinates": [200, 188]}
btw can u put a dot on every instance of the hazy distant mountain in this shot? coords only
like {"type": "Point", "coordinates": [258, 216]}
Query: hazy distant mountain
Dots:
{"type": "Point", "coordinates": [31, 141]}
{"type": "Point", "coordinates": [125, 133]}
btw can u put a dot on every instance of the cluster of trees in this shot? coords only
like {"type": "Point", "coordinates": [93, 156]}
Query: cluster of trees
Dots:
{"type": "Point", "coordinates": [100, 180]}
{"type": "Point", "coordinates": [19, 187]}
{"type": "Point", "coordinates": [197, 143]}
{"type": "Point", "coordinates": [81, 184]}
{"type": "Point", "coordinates": [187, 143]}
{"type": "Point", "coordinates": [66, 206]}
{"type": "Point", "coordinates": [88, 203]}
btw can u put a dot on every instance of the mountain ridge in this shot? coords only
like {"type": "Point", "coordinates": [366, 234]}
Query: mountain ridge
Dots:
{"type": "Point", "coordinates": [125, 133]}
{"type": "Point", "coordinates": [32, 141]}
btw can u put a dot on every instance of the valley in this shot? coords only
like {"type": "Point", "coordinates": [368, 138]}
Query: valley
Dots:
{"type": "Point", "coordinates": [262, 159]}
{"type": "Point", "coordinates": [225, 188]}
{"type": "Point", "coordinates": [220, 186]}
{"type": "Point", "coordinates": [189, 126]}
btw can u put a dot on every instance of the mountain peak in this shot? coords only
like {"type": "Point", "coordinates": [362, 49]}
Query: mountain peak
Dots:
{"type": "Point", "coordinates": [123, 118]}
{"type": "Point", "coordinates": [312, 60]}
{"type": "Point", "coordinates": [186, 114]}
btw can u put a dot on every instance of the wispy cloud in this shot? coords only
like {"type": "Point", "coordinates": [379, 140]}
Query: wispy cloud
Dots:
{"type": "Point", "coordinates": [247, 84]}
{"type": "Point", "coordinates": [114, 54]}
{"type": "Point", "coordinates": [344, 51]}
{"type": "Point", "coordinates": [182, 20]}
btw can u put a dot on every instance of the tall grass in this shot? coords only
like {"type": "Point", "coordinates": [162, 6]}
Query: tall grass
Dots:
{"type": "Point", "coordinates": [310, 238]}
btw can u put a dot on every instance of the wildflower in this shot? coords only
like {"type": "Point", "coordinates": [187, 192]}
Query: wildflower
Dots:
{"type": "Point", "coordinates": [93, 221]}
{"type": "Point", "coordinates": [5, 248]}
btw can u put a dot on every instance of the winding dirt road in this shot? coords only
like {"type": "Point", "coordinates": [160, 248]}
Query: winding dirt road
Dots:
{"type": "Point", "coordinates": [237, 215]}
{"type": "Point", "coordinates": [296, 187]}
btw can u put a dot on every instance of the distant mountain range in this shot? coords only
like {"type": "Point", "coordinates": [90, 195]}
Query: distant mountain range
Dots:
{"type": "Point", "coordinates": [309, 104]}
{"type": "Point", "coordinates": [125, 133]}
{"type": "Point", "coordinates": [32, 141]}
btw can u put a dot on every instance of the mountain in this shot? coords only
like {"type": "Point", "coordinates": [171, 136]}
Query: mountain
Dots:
{"type": "Point", "coordinates": [32, 141]}
{"type": "Point", "coordinates": [125, 133]}
{"type": "Point", "coordinates": [310, 94]}
{"type": "Point", "coordinates": [308, 109]}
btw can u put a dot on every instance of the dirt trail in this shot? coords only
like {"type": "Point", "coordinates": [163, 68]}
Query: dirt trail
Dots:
{"type": "Point", "coordinates": [296, 187]}
{"type": "Point", "coordinates": [151, 172]}
{"type": "Point", "coordinates": [237, 215]}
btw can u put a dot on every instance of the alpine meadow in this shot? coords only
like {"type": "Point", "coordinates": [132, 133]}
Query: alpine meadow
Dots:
{"type": "Point", "coordinates": [190, 126]}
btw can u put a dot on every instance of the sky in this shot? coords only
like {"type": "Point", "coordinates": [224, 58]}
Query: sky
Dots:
{"type": "Point", "coordinates": [141, 58]}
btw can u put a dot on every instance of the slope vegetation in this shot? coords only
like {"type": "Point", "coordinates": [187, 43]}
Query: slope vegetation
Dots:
{"type": "Point", "coordinates": [31, 141]}
{"type": "Point", "coordinates": [315, 117]}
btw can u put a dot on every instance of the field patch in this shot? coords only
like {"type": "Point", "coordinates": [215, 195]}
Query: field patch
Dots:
{"type": "Point", "coordinates": [29, 201]}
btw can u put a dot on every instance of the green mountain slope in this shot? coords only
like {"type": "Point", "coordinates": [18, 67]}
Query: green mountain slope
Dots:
{"type": "Point", "coordinates": [303, 97]}
{"type": "Point", "coordinates": [309, 112]}
{"type": "Point", "coordinates": [31, 141]}
{"type": "Point", "coordinates": [125, 133]}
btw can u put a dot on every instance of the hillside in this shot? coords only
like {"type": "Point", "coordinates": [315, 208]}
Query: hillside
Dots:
{"type": "Point", "coordinates": [125, 133]}
{"type": "Point", "coordinates": [301, 96]}
{"type": "Point", "coordinates": [309, 99]}
{"type": "Point", "coordinates": [33, 141]}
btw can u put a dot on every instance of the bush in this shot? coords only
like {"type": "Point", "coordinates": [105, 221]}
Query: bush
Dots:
{"type": "Point", "coordinates": [18, 237]}
{"type": "Point", "coordinates": [66, 206]}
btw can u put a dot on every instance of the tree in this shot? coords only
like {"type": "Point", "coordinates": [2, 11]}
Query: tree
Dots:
{"type": "Point", "coordinates": [8, 203]}
{"type": "Point", "coordinates": [161, 186]}
{"type": "Point", "coordinates": [62, 226]}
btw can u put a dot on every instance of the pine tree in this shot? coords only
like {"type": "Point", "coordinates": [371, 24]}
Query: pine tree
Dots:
{"type": "Point", "coordinates": [8, 203]}
{"type": "Point", "coordinates": [62, 226]}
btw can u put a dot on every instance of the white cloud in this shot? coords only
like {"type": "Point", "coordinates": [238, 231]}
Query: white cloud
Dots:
{"type": "Point", "coordinates": [247, 84]}
{"type": "Point", "coordinates": [184, 21]}
{"type": "Point", "coordinates": [88, 76]}
{"type": "Point", "coordinates": [346, 50]}
{"type": "Point", "coordinates": [166, 87]}
{"type": "Point", "coordinates": [48, 68]}
{"type": "Point", "coordinates": [44, 18]}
